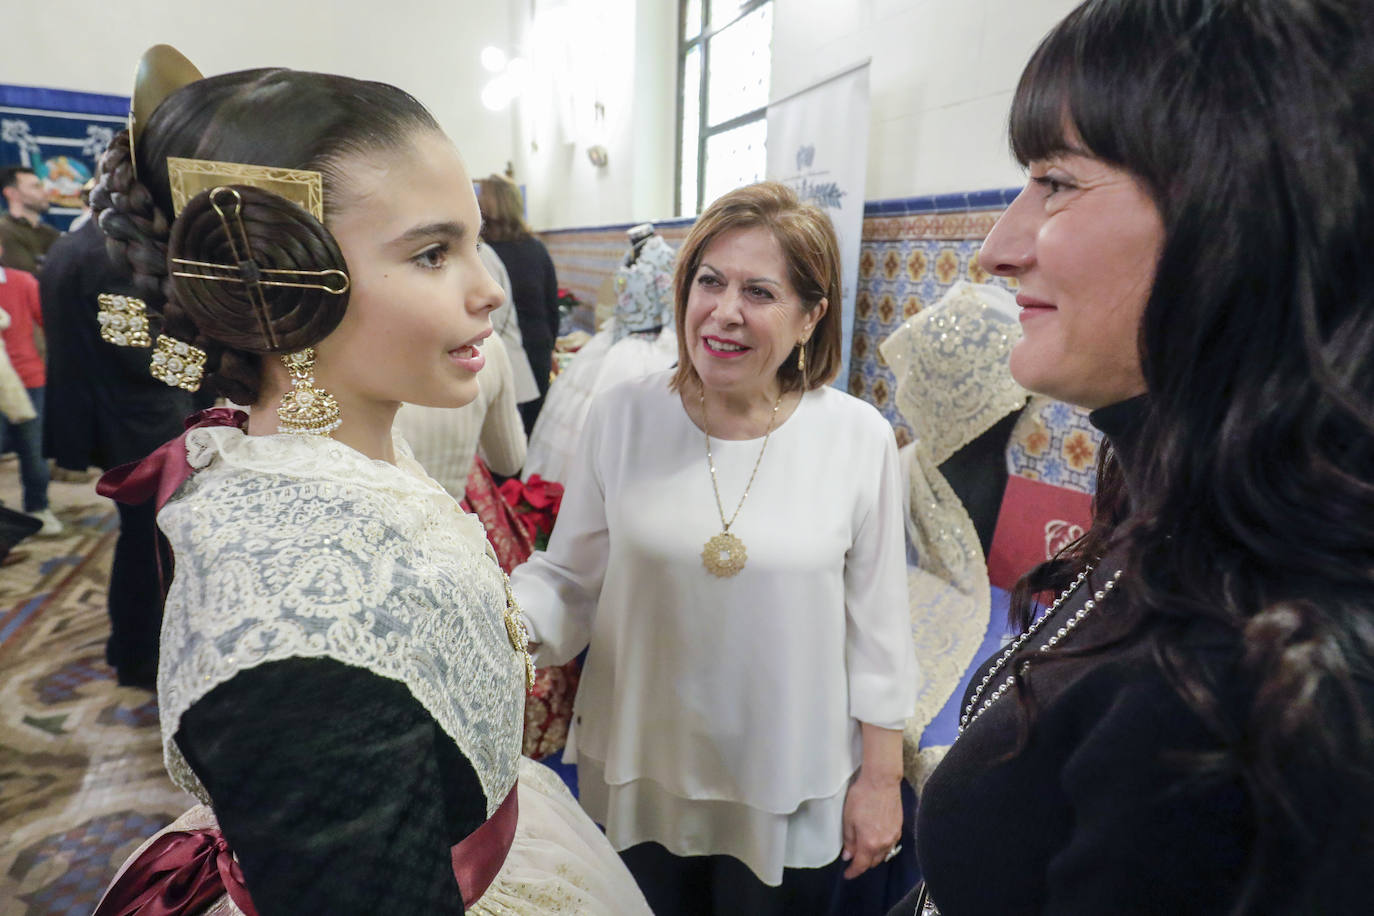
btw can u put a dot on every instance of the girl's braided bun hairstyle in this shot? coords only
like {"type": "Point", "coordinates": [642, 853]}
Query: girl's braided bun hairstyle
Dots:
{"type": "Point", "coordinates": [276, 118]}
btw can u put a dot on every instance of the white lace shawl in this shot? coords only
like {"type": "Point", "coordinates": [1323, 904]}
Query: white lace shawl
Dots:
{"type": "Point", "coordinates": [300, 547]}
{"type": "Point", "coordinates": [953, 384]}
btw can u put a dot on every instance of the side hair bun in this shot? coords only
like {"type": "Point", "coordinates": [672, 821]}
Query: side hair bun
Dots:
{"type": "Point", "coordinates": [237, 257]}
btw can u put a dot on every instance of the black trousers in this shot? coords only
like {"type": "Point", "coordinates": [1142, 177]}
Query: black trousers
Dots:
{"type": "Point", "coordinates": [135, 600]}
{"type": "Point", "coordinates": [724, 886]}
{"type": "Point", "coordinates": [541, 364]}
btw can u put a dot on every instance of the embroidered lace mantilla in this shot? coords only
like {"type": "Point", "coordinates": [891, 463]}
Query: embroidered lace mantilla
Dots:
{"type": "Point", "coordinates": [301, 547]}
{"type": "Point", "coordinates": [953, 385]}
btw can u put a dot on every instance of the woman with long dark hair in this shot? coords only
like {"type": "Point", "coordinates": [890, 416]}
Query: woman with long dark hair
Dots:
{"type": "Point", "coordinates": [1189, 727]}
{"type": "Point", "coordinates": [343, 674]}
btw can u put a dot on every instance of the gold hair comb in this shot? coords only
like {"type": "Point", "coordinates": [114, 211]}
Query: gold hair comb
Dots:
{"type": "Point", "coordinates": [188, 177]}
{"type": "Point", "coordinates": [161, 71]}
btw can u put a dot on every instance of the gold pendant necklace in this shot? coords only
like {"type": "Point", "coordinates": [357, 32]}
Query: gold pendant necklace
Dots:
{"type": "Point", "coordinates": [724, 554]}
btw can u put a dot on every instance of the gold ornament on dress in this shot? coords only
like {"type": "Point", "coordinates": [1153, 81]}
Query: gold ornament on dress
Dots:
{"type": "Point", "coordinates": [177, 363]}
{"type": "Point", "coordinates": [724, 554]}
{"type": "Point", "coordinates": [519, 636]}
{"type": "Point", "coordinates": [123, 320]}
{"type": "Point", "coordinates": [306, 409]}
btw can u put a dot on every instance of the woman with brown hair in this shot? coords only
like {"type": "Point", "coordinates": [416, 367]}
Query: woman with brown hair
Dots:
{"type": "Point", "coordinates": [731, 547]}
{"type": "Point", "coordinates": [534, 285]}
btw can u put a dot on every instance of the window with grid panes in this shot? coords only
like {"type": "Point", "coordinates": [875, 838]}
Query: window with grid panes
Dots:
{"type": "Point", "coordinates": [723, 81]}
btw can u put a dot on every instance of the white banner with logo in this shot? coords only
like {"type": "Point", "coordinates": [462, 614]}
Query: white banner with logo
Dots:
{"type": "Point", "coordinates": [818, 145]}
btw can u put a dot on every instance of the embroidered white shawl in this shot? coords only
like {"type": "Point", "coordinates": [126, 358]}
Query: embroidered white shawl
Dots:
{"type": "Point", "coordinates": [301, 547]}
{"type": "Point", "coordinates": [953, 384]}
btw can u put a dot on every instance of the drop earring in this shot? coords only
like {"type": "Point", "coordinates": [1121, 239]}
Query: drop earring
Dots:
{"type": "Point", "coordinates": [801, 357]}
{"type": "Point", "coordinates": [306, 409]}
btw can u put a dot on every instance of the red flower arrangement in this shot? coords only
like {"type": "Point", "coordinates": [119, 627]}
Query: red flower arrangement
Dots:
{"type": "Point", "coordinates": [535, 503]}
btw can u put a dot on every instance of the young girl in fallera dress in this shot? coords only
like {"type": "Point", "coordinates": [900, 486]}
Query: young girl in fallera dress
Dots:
{"type": "Point", "coordinates": [342, 674]}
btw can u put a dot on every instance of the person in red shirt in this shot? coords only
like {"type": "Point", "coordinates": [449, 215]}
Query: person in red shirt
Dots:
{"type": "Point", "coordinates": [19, 299]}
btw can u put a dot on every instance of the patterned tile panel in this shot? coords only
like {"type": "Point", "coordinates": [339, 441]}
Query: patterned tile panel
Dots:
{"type": "Point", "coordinates": [584, 258]}
{"type": "Point", "coordinates": [905, 264]}
{"type": "Point", "coordinates": [1054, 443]}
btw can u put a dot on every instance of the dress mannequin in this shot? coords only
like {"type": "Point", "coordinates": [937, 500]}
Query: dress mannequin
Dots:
{"type": "Point", "coordinates": [638, 341]}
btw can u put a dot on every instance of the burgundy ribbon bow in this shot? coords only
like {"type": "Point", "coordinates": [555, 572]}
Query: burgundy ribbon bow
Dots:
{"type": "Point", "coordinates": [180, 872]}
{"type": "Point", "coordinates": [161, 473]}
{"type": "Point", "coordinates": [186, 870]}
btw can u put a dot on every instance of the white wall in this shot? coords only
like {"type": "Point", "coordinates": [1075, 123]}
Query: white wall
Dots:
{"type": "Point", "coordinates": [942, 76]}
{"type": "Point", "coordinates": [624, 55]}
{"type": "Point", "coordinates": [941, 81]}
{"type": "Point", "coordinates": [427, 47]}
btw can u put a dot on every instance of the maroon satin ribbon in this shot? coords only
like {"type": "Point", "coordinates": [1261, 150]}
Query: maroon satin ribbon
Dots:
{"type": "Point", "coordinates": [480, 855]}
{"type": "Point", "coordinates": [165, 469]}
{"type": "Point", "coordinates": [180, 872]}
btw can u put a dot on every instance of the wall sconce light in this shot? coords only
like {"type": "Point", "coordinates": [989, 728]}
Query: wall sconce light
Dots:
{"type": "Point", "coordinates": [510, 79]}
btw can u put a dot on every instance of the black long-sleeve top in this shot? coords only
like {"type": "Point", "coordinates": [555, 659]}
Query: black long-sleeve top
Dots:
{"type": "Point", "coordinates": [103, 406]}
{"type": "Point", "coordinates": [534, 287]}
{"type": "Point", "coordinates": [1098, 813]}
{"type": "Point", "coordinates": [335, 789]}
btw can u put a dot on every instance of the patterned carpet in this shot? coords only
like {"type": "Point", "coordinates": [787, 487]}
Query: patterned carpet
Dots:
{"type": "Point", "coordinates": [81, 776]}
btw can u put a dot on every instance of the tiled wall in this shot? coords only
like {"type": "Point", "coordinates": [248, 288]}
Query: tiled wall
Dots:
{"type": "Point", "coordinates": [913, 251]}
{"type": "Point", "coordinates": [586, 257]}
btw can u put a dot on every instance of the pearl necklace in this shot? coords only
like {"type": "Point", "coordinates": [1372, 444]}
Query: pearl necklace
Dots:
{"type": "Point", "coordinates": [972, 711]}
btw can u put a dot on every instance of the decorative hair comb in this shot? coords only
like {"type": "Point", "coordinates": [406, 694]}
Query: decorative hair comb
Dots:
{"type": "Point", "coordinates": [161, 71]}
{"type": "Point", "coordinates": [188, 177]}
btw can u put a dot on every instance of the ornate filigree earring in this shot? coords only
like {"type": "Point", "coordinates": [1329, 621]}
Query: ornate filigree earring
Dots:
{"type": "Point", "coordinates": [123, 320]}
{"type": "Point", "coordinates": [801, 356]}
{"type": "Point", "coordinates": [177, 363]}
{"type": "Point", "coordinates": [306, 409]}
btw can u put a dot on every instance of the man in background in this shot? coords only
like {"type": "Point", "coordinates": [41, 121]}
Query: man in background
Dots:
{"type": "Point", "coordinates": [24, 235]}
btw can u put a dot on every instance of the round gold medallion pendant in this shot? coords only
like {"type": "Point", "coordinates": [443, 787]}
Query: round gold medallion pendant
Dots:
{"type": "Point", "coordinates": [724, 555]}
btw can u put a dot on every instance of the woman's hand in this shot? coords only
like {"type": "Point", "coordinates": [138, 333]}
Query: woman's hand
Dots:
{"type": "Point", "coordinates": [873, 806]}
{"type": "Point", "coordinates": [872, 823]}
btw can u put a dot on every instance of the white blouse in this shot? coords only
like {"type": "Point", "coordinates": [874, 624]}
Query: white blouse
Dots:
{"type": "Point", "coordinates": [446, 439]}
{"type": "Point", "coordinates": [721, 716]}
{"type": "Point", "coordinates": [601, 364]}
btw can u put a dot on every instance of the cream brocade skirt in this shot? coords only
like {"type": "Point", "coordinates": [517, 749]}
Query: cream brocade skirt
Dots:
{"type": "Point", "coordinates": [559, 862]}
